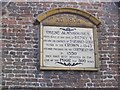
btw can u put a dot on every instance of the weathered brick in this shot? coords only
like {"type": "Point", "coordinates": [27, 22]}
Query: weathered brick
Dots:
{"type": "Point", "coordinates": [23, 22]}
{"type": "Point", "coordinates": [27, 38]}
{"type": "Point", "coordinates": [10, 67]}
{"type": "Point", "coordinates": [18, 79]}
{"type": "Point", "coordinates": [104, 58]}
{"type": "Point", "coordinates": [31, 71]}
{"type": "Point", "coordinates": [9, 83]}
{"type": "Point", "coordinates": [18, 63]}
{"type": "Point", "coordinates": [11, 75]}
{"type": "Point", "coordinates": [20, 41]}
{"type": "Point", "coordinates": [19, 71]}
{"type": "Point", "coordinates": [27, 60]}
{"type": "Point", "coordinates": [18, 56]}
{"type": "Point", "coordinates": [35, 46]}
{"type": "Point", "coordinates": [7, 71]}
{"type": "Point", "coordinates": [46, 80]}
{"type": "Point", "coordinates": [31, 75]}
{"type": "Point", "coordinates": [31, 80]}
{"type": "Point", "coordinates": [8, 63]}
{"type": "Point", "coordinates": [25, 8]}
{"type": "Point", "coordinates": [6, 56]}
{"type": "Point", "coordinates": [5, 52]}
{"type": "Point", "coordinates": [49, 84]}
{"type": "Point", "coordinates": [12, 53]}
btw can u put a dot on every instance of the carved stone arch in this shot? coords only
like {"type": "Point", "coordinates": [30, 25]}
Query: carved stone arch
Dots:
{"type": "Point", "coordinates": [87, 19]}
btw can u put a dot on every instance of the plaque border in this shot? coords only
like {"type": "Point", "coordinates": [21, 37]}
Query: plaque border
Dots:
{"type": "Point", "coordinates": [96, 54]}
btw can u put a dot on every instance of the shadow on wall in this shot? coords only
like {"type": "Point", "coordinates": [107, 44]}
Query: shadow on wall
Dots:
{"type": "Point", "coordinates": [118, 4]}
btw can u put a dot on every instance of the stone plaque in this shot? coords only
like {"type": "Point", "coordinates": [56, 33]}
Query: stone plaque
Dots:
{"type": "Point", "coordinates": [67, 47]}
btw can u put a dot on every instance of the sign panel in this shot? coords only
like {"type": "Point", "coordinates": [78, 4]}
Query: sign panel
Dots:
{"type": "Point", "coordinates": [67, 47]}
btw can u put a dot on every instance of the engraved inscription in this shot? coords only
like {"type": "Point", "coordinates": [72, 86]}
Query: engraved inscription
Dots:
{"type": "Point", "coordinates": [68, 47]}
{"type": "Point", "coordinates": [67, 19]}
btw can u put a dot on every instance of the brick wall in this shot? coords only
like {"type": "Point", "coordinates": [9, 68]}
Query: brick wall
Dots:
{"type": "Point", "coordinates": [20, 51]}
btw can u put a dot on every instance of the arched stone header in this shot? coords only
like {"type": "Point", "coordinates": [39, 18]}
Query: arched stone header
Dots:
{"type": "Point", "coordinates": [82, 13]}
